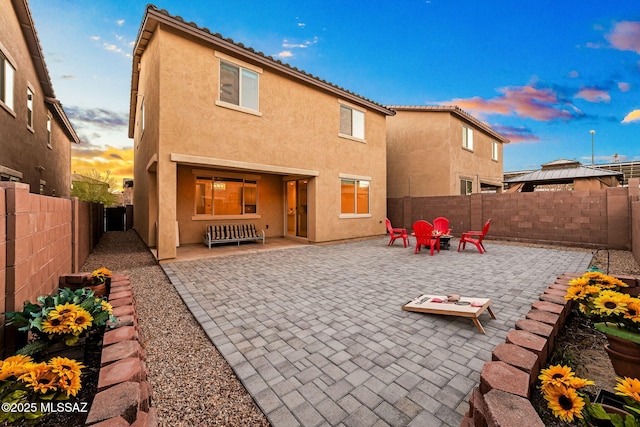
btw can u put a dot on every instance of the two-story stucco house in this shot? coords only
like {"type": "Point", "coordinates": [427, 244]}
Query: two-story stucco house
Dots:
{"type": "Point", "coordinates": [35, 133]}
{"type": "Point", "coordinates": [441, 151]}
{"type": "Point", "coordinates": [224, 134]}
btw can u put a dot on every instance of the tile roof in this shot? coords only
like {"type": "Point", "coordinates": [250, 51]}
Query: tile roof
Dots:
{"type": "Point", "coordinates": [154, 15]}
{"type": "Point", "coordinates": [21, 8]}
{"type": "Point", "coordinates": [453, 109]}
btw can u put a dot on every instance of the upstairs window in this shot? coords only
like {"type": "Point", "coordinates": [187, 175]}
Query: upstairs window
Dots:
{"type": "Point", "coordinates": [29, 108]}
{"type": "Point", "coordinates": [7, 73]}
{"type": "Point", "coordinates": [238, 86]}
{"type": "Point", "coordinates": [351, 122]}
{"type": "Point", "coordinates": [49, 130]}
{"type": "Point", "coordinates": [467, 138]}
{"type": "Point", "coordinates": [494, 150]}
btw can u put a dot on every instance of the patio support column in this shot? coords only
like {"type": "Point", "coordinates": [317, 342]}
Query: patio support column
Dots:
{"type": "Point", "coordinates": [167, 187]}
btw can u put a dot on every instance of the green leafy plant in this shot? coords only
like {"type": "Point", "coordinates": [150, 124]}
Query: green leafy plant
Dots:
{"type": "Point", "coordinates": [62, 317]}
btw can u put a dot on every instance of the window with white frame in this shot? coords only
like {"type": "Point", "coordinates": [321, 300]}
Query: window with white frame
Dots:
{"type": "Point", "coordinates": [142, 115]}
{"type": "Point", "coordinates": [351, 122]}
{"type": "Point", "coordinates": [7, 73]}
{"type": "Point", "coordinates": [49, 120]}
{"type": "Point", "coordinates": [29, 108]}
{"type": "Point", "coordinates": [354, 196]}
{"type": "Point", "coordinates": [238, 86]}
{"type": "Point", "coordinates": [494, 150]}
{"type": "Point", "coordinates": [225, 196]}
{"type": "Point", "coordinates": [467, 138]}
{"type": "Point", "coordinates": [466, 186]}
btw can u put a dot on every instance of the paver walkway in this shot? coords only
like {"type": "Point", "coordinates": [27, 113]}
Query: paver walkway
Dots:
{"type": "Point", "coordinates": [318, 337]}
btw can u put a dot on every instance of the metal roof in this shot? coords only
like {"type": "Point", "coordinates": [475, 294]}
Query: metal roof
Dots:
{"type": "Point", "coordinates": [564, 174]}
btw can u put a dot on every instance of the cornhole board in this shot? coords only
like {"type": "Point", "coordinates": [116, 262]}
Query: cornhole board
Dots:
{"type": "Point", "coordinates": [424, 304]}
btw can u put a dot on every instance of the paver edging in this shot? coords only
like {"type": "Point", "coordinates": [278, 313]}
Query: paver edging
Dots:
{"type": "Point", "coordinates": [134, 408]}
{"type": "Point", "coordinates": [480, 408]}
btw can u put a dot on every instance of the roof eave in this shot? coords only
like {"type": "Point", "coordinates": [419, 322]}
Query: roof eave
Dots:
{"type": "Point", "coordinates": [153, 16]}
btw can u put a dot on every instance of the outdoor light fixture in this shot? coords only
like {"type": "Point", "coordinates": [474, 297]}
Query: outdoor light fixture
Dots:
{"type": "Point", "coordinates": [592, 132]}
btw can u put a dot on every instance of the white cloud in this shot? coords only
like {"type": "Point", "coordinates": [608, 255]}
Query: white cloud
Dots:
{"type": "Point", "coordinates": [301, 24]}
{"type": "Point", "coordinates": [624, 87]}
{"type": "Point", "coordinates": [120, 22]}
{"type": "Point", "coordinates": [285, 54]}
{"type": "Point", "coordinates": [95, 38]}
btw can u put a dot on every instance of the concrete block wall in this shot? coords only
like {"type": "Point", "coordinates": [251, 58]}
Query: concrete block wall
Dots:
{"type": "Point", "coordinates": [506, 382]}
{"type": "Point", "coordinates": [634, 196]}
{"type": "Point", "coordinates": [595, 218]}
{"type": "Point", "coordinates": [3, 260]}
{"type": "Point", "coordinates": [38, 244]}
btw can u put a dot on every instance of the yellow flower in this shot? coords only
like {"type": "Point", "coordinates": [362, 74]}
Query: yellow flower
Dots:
{"type": "Point", "coordinates": [62, 311]}
{"type": "Point", "coordinates": [15, 366]}
{"type": "Point", "coordinates": [628, 387]}
{"type": "Point", "coordinates": [81, 321]}
{"type": "Point", "coordinates": [564, 402]}
{"type": "Point", "coordinates": [633, 309]}
{"type": "Point", "coordinates": [101, 272]}
{"type": "Point", "coordinates": [54, 326]}
{"type": "Point", "coordinates": [64, 367]}
{"type": "Point", "coordinates": [579, 281]}
{"type": "Point", "coordinates": [610, 303]}
{"type": "Point", "coordinates": [106, 307]}
{"type": "Point", "coordinates": [581, 292]}
{"type": "Point", "coordinates": [40, 378]}
{"type": "Point", "coordinates": [577, 382]}
{"type": "Point", "coordinates": [556, 375]}
{"type": "Point", "coordinates": [71, 386]}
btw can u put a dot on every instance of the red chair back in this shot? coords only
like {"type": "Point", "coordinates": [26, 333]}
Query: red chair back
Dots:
{"type": "Point", "coordinates": [423, 231]}
{"type": "Point", "coordinates": [389, 227]}
{"type": "Point", "coordinates": [441, 224]}
{"type": "Point", "coordinates": [485, 229]}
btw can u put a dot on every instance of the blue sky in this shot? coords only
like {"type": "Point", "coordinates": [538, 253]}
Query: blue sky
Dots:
{"type": "Point", "coordinates": [543, 73]}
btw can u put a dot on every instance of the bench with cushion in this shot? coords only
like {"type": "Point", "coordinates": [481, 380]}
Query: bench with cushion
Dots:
{"type": "Point", "coordinates": [231, 233]}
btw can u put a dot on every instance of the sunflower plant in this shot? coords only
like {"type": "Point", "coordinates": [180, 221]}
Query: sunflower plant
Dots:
{"type": "Point", "coordinates": [561, 389]}
{"type": "Point", "coordinates": [62, 317]}
{"type": "Point", "coordinates": [99, 276]}
{"type": "Point", "coordinates": [26, 386]}
{"type": "Point", "coordinates": [598, 296]}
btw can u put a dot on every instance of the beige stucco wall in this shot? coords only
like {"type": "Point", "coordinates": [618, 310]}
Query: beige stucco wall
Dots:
{"type": "Point", "coordinates": [22, 148]}
{"type": "Point", "coordinates": [425, 156]}
{"type": "Point", "coordinates": [297, 128]}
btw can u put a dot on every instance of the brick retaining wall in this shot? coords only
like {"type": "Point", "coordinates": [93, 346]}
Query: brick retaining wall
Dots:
{"type": "Point", "coordinates": [124, 391]}
{"type": "Point", "coordinates": [506, 383]}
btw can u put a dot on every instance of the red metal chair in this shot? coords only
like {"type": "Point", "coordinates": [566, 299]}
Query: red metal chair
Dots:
{"type": "Point", "coordinates": [425, 237]}
{"type": "Point", "coordinates": [441, 224]}
{"type": "Point", "coordinates": [475, 237]}
{"type": "Point", "coordinates": [394, 233]}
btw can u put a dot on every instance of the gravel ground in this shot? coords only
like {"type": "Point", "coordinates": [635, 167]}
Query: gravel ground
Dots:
{"type": "Point", "coordinates": [192, 383]}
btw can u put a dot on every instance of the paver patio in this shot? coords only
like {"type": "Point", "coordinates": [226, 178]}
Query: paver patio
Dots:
{"type": "Point", "coordinates": [318, 337]}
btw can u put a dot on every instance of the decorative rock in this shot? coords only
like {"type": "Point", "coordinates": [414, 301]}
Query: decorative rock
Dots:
{"type": "Point", "coordinates": [501, 376]}
{"type": "Point", "coordinates": [505, 409]}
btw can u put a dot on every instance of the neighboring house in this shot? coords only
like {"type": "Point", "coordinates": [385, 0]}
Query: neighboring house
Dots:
{"type": "Point", "coordinates": [35, 133]}
{"type": "Point", "coordinates": [441, 151]}
{"type": "Point", "coordinates": [564, 174]}
{"type": "Point", "coordinates": [224, 134]}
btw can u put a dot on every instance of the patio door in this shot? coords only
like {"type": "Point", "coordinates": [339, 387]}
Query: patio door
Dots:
{"type": "Point", "coordinates": [297, 208]}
